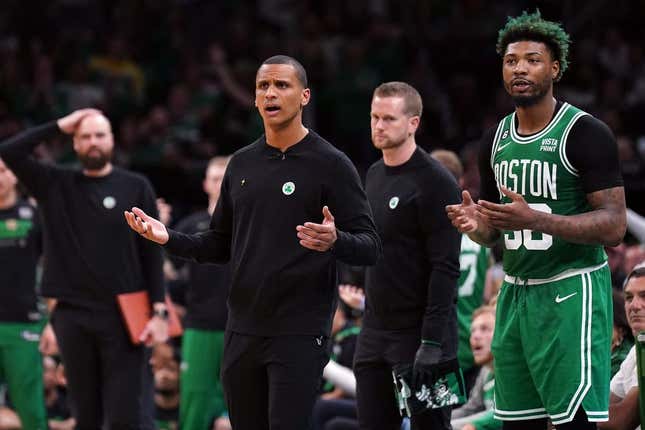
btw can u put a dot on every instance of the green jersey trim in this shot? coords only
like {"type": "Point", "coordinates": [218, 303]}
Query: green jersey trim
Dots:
{"type": "Point", "coordinates": [532, 138]}
{"type": "Point", "coordinates": [563, 152]}
{"type": "Point", "coordinates": [527, 414]}
{"type": "Point", "coordinates": [496, 141]}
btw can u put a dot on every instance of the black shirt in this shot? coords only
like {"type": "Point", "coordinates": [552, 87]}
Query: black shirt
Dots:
{"type": "Point", "coordinates": [415, 283]}
{"type": "Point", "coordinates": [20, 247]}
{"type": "Point", "coordinates": [591, 148]}
{"type": "Point", "coordinates": [207, 284]}
{"type": "Point", "coordinates": [279, 287]}
{"type": "Point", "coordinates": [90, 252]}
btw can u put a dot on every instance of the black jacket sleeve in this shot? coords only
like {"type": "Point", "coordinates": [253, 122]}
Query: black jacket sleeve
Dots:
{"type": "Point", "coordinates": [592, 150]}
{"type": "Point", "coordinates": [16, 153]}
{"type": "Point", "coordinates": [358, 243]}
{"type": "Point", "coordinates": [442, 247]}
{"type": "Point", "coordinates": [150, 254]}
{"type": "Point", "coordinates": [212, 245]}
{"type": "Point", "coordinates": [488, 185]}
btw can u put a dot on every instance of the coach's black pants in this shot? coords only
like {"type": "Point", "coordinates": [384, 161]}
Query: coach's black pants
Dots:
{"type": "Point", "coordinates": [271, 383]}
{"type": "Point", "coordinates": [377, 351]}
{"type": "Point", "coordinates": [108, 378]}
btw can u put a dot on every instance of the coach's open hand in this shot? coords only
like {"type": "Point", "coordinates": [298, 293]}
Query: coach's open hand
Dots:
{"type": "Point", "coordinates": [318, 237]}
{"type": "Point", "coordinates": [148, 227]}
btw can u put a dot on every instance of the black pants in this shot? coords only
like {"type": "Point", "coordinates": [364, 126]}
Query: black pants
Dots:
{"type": "Point", "coordinates": [271, 383]}
{"type": "Point", "coordinates": [377, 352]}
{"type": "Point", "coordinates": [109, 379]}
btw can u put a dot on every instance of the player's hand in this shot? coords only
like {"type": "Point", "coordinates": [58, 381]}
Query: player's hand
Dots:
{"type": "Point", "coordinates": [318, 237]}
{"type": "Point", "coordinates": [464, 216]}
{"type": "Point", "coordinates": [516, 215]}
{"type": "Point", "coordinates": [69, 123]}
{"type": "Point", "coordinates": [147, 226]}
{"type": "Point", "coordinates": [425, 365]}
{"type": "Point", "coordinates": [469, 427]}
{"type": "Point", "coordinates": [156, 331]}
{"type": "Point", "coordinates": [353, 296]}
{"type": "Point", "coordinates": [48, 344]}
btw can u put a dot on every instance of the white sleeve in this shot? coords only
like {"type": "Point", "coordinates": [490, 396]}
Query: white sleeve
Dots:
{"type": "Point", "coordinates": [341, 377]}
{"type": "Point", "coordinates": [626, 377]}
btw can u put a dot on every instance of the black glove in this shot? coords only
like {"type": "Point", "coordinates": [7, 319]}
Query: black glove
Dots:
{"type": "Point", "coordinates": [425, 365]}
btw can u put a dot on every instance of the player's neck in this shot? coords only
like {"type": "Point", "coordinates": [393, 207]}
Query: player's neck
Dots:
{"type": "Point", "coordinates": [9, 200]}
{"type": "Point", "coordinates": [400, 154]}
{"type": "Point", "coordinates": [531, 119]}
{"type": "Point", "coordinates": [284, 137]}
{"type": "Point", "coordinates": [97, 173]}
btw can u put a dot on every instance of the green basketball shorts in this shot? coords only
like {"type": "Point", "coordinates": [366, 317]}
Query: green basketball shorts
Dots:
{"type": "Point", "coordinates": [552, 346]}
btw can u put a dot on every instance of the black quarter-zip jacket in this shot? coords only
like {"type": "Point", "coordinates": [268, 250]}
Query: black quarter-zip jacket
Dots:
{"type": "Point", "coordinates": [415, 283]}
{"type": "Point", "coordinates": [278, 287]}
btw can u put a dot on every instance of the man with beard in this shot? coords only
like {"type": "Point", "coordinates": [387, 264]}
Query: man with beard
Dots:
{"type": "Point", "coordinates": [410, 315]}
{"type": "Point", "coordinates": [90, 257]}
{"type": "Point", "coordinates": [552, 192]}
{"type": "Point", "coordinates": [283, 264]}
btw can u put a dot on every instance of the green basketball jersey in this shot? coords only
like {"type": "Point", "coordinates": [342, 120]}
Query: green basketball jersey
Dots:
{"type": "Point", "coordinates": [537, 167]}
{"type": "Point", "coordinates": [474, 260]}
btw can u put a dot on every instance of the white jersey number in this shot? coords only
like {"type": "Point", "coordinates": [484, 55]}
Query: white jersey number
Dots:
{"type": "Point", "coordinates": [515, 239]}
{"type": "Point", "coordinates": [468, 263]}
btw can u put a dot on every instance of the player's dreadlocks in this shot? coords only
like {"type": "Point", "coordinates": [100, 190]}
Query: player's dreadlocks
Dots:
{"type": "Point", "coordinates": [533, 28]}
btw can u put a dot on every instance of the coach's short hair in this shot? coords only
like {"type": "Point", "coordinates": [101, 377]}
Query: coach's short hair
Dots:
{"type": "Point", "coordinates": [413, 106]}
{"type": "Point", "coordinates": [301, 73]}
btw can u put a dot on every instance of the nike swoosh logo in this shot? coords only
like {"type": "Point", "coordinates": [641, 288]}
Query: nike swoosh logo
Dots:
{"type": "Point", "coordinates": [499, 148]}
{"type": "Point", "coordinates": [559, 299]}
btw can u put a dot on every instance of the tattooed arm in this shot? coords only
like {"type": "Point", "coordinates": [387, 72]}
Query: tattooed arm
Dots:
{"type": "Point", "coordinates": [605, 224]}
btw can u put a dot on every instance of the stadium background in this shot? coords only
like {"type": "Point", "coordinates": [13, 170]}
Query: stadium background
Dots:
{"type": "Point", "coordinates": [176, 77]}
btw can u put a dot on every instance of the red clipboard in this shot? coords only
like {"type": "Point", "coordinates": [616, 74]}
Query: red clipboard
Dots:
{"type": "Point", "coordinates": [136, 311]}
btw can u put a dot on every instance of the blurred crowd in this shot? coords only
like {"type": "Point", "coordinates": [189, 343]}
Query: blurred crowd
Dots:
{"type": "Point", "coordinates": [176, 76]}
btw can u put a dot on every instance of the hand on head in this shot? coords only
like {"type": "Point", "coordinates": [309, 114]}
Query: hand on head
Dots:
{"type": "Point", "coordinates": [68, 124]}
